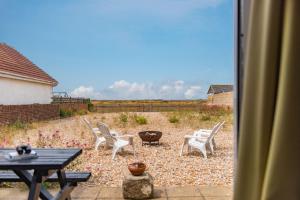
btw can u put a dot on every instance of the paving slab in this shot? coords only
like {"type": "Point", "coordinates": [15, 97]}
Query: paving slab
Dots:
{"type": "Point", "coordinates": [216, 191]}
{"type": "Point", "coordinates": [115, 193]}
{"type": "Point", "coordinates": [180, 192]}
{"type": "Point", "coordinates": [85, 193]}
{"type": "Point", "coordinates": [12, 194]}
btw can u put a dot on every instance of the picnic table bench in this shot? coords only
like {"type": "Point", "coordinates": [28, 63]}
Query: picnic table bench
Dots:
{"type": "Point", "coordinates": [48, 167]}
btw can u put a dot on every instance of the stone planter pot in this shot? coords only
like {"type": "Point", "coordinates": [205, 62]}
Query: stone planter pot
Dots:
{"type": "Point", "coordinates": [137, 168]}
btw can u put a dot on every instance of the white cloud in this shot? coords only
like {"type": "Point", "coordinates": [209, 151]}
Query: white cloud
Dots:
{"type": "Point", "coordinates": [86, 92]}
{"type": "Point", "coordinates": [126, 90]}
{"type": "Point", "coordinates": [120, 85]}
{"type": "Point", "coordinates": [133, 90]}
{"type": "Point", "coordinates": [178, 85]}
{"type": "Point", "coordinates": [192, 92]}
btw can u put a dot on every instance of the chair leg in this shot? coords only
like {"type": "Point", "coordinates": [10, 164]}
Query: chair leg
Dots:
{"type": "Point", "coordinates": [203, 150]}
{"type": "Point", "coordinates": [182, 147]}
{"type": "Point", "coordinates": [189, 149]}
{"type": "Point", "coordinates": [133, 149]}
{"type": "Point", "coordinates": [214, 143]}
{"type": "Point", "coordinates": [114, 152]}
{"type": "Point", "coordinates": [211, 147]}
{"type": "Point", "coordinates": [98, 143]}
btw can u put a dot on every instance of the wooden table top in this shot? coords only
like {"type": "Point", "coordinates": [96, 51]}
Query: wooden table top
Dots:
{"type": "Point", "coordinates": [49, 159]}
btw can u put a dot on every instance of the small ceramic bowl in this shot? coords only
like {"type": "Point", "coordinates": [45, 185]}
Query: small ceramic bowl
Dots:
{"type": "Point", "coordinates": [137, 168]}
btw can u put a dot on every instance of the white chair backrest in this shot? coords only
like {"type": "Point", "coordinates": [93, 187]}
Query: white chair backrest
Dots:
{"type": "Point", "coordinates": [217, 130]}
{"type": "Point", "coordinates": [103, 128]}
{"type": "Point", "coordinates": [88, 123]}
{"type": "Point", "coordinates": [213, 132]}
{"type": "Point", "coordinates": [217, 125]}
{"type": "Point", "coordinates": [198, 133]}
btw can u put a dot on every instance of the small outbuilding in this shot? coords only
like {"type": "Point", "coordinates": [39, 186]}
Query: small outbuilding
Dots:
{"type": "Point", "coordinates": [220, 95]}
{"type": "Point", "coordinates": [21, 81]}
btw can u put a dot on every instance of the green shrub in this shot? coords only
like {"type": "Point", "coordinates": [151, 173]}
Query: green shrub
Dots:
{"type": "Point", "coordinates": [91, 107]}
{"type": "Point", "coordinates": [173, 119]}
{"type": "Point", "coordinates": [65, 113]}
{"type": "Point", "coordinates": [140, 119]}
{"type": "Point", "coordinates": [205, 118]}
{"type": "Point", "coordinates": [19, 125]}
{"type": "Point", "coordinates": [123, 118]}
{"type": "Point", "coordinates": [82, 112]}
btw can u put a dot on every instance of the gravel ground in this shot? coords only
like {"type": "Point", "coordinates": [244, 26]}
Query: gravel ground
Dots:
{"type": "Point", "coordinates": [163, 161]}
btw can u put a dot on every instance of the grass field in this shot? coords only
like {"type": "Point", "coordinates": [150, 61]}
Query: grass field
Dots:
{"type": "Point", "coordinates": [157, 101]}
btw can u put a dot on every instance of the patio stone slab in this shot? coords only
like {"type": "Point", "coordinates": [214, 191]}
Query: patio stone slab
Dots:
{"type": "Point", "coordinates": [218, 198]}
{"type": "Point", "coordinates": [216, 191]}
{"type": "Point", "coordinates": [188, 191]}
{"type": "Point", "coordinates": [12, 194]}
{"type": "Point", "coordinates": [110, 193]}
{"type": "Point", "coordinates": [85, 193]}
{"type": "Point", "coordinates": [200, 198]}
{"type": "Point", "coordinates": [115, 193]}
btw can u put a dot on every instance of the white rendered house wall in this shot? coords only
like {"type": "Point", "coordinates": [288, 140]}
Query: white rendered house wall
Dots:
{"type": "Point", "coordinates": [19, 92]}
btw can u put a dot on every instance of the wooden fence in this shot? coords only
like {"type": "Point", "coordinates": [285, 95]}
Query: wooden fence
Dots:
{"type": "Point", "coordinates": [9, 114]}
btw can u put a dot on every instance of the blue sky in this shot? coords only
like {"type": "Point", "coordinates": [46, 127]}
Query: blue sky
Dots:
{"type": "Point", "coordinates": [125, 49]}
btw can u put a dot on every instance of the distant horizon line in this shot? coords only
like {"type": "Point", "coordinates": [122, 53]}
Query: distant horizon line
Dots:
{"type": "Point", "coordinates": [147, 99]}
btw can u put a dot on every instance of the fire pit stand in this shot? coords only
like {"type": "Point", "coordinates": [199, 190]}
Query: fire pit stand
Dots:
{"type": "Point", "coordinates": [150, 137]}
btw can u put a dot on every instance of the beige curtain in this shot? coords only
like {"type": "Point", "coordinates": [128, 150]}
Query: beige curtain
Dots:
{"type": "Point", "coordinates": [269, 146]}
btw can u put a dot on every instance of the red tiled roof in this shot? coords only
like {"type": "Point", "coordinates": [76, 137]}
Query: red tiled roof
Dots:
{"type": "Point", "coordinates": [13, 62]}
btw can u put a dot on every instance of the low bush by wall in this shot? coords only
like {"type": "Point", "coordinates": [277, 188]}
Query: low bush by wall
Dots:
{"type": "Point", "coordinates": [28, 113]}
{"type": "Point", "coordinates": [70, 109]}
{"type": "Point", "coordinates": [74, 107]}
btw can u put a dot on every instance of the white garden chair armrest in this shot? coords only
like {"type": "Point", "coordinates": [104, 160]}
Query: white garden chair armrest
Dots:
{"type": "Point", "coordinates": [129, 137]}
{"type": "Point", "coordinates": [204, 134]}
{"type": "Point", "coordinates": [205, 130]}
{"type": "Point", "coordinates": [114, 133]}
{"type": "Point", "coordinates": [124, 136]}
{"type": "Point", "coordinates": [198, 138]}
{"type": "Point", "coordinates": [192, 136]}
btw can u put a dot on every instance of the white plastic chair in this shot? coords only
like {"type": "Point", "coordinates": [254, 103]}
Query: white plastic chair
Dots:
{"type": "Point", "coordinates": [115, 140]}
{"type": "Point", "coordinates": [206, 132]}
{"type": "Point", "coordinates": [99, 140]}
{"type": "Point", "coordinates": [196, 141]}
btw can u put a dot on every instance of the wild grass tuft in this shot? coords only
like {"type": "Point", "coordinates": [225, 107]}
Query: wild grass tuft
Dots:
{"type": "Point", "coordinates": [65, 113]}
{"type": "Point", "coordinates": [141, 120]}
{"type": "Point", "coordinates": [205, 117]}
{"type": "Point", "coordinates": [123, 118]}
{"type": "Point", "coordinates": [17, 125]}
{"type": "Point", "coordinates": [173, 119]}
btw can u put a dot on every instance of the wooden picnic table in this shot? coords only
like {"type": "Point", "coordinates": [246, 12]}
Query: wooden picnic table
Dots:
{"type": "Point", "coordinates": [34, 172]}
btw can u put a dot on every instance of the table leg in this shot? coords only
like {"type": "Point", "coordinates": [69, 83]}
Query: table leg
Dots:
{"type": "Point", "coordinates": [35, 187]}
{"type": "Point", "coordinates": [65, 192]}
{"type": "Point", "coordinates": [28, 179]}
{"type": "Point", "coordinates": [62, 181]}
